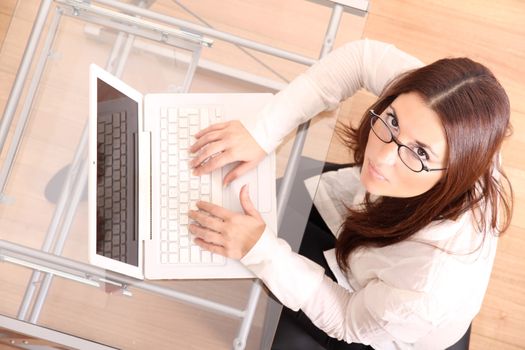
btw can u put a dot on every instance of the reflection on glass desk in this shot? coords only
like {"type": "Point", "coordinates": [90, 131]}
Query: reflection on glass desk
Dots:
{"type": "Point", "coordinates": [45, 276]}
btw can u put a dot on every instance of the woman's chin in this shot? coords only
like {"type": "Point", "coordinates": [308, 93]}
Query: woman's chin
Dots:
{"type": "Point", "coordinates": [372, 186]}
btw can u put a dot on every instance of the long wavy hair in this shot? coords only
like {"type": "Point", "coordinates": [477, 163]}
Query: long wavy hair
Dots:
{"type": "Point", "coordinates": [474, 110]}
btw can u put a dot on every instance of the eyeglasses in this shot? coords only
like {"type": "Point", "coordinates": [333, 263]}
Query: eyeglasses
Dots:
{"type": "Point", "coordinates": [408, 156]}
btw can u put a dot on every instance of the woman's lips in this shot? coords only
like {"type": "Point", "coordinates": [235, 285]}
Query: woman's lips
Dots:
{"type": "Point", "coordinates": [375, 172]}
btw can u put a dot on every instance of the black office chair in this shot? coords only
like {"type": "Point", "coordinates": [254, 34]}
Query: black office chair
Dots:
{"type": "Point", "coordinates": [463, 343]}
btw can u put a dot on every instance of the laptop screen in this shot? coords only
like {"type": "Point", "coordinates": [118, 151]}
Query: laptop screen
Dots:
{"type": "Point", "coordinates": [117, 127]}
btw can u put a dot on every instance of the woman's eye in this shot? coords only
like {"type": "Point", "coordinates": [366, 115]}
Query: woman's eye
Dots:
{"type": "Point", "coordinates": [391, 121]}
{"type": "Point", "coordinates": [422, 153]}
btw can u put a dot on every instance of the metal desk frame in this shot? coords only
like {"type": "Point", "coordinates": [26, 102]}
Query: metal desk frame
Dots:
{"type": "Point", "coordinates": [131, 21]}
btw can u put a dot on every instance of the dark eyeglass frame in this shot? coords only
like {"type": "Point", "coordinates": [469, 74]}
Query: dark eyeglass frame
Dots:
{"type": "Point", "coordinates": [375, 117]}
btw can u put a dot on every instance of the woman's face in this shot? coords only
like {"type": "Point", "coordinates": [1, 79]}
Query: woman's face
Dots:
{"type": "Point", "coordinates": [419, 128]}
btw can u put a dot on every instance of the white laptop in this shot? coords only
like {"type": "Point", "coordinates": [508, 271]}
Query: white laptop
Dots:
{"type": "Point", "coordinates": [141, 187]}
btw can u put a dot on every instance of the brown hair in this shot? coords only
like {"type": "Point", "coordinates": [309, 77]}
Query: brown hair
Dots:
{"type": "Point", "coordinates": [474, 110]}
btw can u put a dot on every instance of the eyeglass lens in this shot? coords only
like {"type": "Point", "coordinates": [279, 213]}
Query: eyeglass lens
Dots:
{"type": "Point", "coordinates": [408, 156]}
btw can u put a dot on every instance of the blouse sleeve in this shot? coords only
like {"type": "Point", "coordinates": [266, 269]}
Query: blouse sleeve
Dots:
{"type": "Point", "coordinates": [360, 64]}
{"type": "Point", "coordinates": [372, 315]}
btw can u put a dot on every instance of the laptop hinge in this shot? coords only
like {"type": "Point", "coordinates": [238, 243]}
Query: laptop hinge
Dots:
{"type": "Point", "coordinates": [144, 188]}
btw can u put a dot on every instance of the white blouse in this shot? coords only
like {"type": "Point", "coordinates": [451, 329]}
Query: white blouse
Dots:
{"type": "Point", "coordinates": [410, 295]}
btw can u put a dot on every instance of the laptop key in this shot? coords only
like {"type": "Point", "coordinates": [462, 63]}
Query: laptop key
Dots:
{"type": "Point", "coordinates": [184, 256]}
{"type": "Point", "coordinates": [195, 254]}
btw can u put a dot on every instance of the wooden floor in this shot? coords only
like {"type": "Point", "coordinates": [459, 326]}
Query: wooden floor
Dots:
{"type": "Point", "coordinates": [491, 32]}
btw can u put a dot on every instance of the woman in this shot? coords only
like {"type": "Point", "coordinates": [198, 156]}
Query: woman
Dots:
{"type": "Point", "coordinates": [416, 219]}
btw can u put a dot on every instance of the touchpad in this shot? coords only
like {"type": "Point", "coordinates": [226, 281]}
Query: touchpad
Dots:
{"type": "Point", "coordinates": [254, 180]}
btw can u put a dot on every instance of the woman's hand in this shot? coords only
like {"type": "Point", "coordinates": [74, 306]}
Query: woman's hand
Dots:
{"type": "Point", "coordinates": [223, 143]}
{"type": "Point", "coordinates": [224, 232]}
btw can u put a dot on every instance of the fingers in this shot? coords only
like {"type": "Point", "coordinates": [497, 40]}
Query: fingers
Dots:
{"type": "Point", "coordinates": [207, 152]}
{"type": "Point", "coordinates": [216, 249]}
{"type": "Point", "coordinates": [207, 135]}
{"type": "Point", "coordinates": [224, 232]}
{"type": "Point", "coordinates": [206, 139]}
{"type": "Point", "coordinates": [207, 221]}
{"type": "Point", "coordinates": [224, 143]}
{"type": "Point", "coordinates": [247, 204]}
{"type": "Point", "coordinates": [213, 163]}
{"type": "Point", "coordinates": [213, 127]}
{"type": "Point", "coordinates": [239, 170]}
{"type": "Point", "coordinates": [206, 235]}
{"type": "Point", "coordinates": [214, 210]}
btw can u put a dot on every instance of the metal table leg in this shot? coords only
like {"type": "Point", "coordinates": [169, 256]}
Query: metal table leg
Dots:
{"type": "Point", "coordinates": [16, 91]}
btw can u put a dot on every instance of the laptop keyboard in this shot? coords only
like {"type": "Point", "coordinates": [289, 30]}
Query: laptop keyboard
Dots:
{"type": "Point", "coordinates": [112, 183]}
{"type": "Point", "coordinates": [179, 189]}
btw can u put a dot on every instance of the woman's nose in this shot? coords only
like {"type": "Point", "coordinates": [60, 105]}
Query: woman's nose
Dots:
{"type": "Point", "coordinates": [387, 153]}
